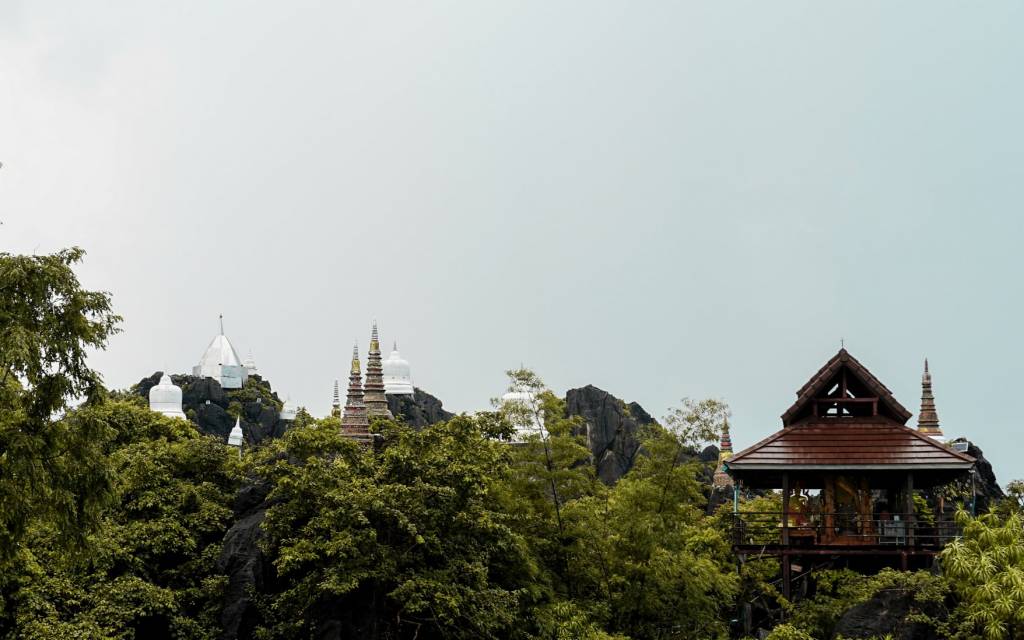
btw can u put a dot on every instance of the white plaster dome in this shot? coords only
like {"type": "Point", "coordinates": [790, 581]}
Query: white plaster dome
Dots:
{"type": "Point", "coordinates": [397, 374]}
{"type": "Point", "coordinates": [165, 398]}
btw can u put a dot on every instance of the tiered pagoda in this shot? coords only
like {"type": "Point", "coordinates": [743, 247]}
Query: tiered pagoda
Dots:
{"type": "Point", "coordinates": [336, 402]}
{"type": "Point", "coordinates": [376, 402]}
{"type": "Point", "coordinates": [722, 479]}
{"type": "Point", "coordinates": [848, 467]}
{"type": "Point", "coordinates": [355, 423]}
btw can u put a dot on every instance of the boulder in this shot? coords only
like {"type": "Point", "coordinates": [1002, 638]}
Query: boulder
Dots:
{"type": "Point", "coordinates": [890, 613]}
{"type": "Point", "coordinates": [986, 485]}
{"type": "Point", "coordinates": [611, 428]}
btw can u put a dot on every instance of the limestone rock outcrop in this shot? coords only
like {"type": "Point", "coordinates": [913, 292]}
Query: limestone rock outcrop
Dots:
{"type": "Point", "coordinates": [418, 410]}
{"type": "Point", "coordinates": [611, 428]}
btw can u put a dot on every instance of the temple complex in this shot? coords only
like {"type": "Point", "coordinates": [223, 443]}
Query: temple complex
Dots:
{"type": "Point", "coordinates": [849, 470]}
{"type": "Point", "coordinates": [355, 422]}
{"type": "Point", "coordinates": [376, 403]}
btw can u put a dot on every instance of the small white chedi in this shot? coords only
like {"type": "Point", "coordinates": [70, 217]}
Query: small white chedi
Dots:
{"type": "Point", "coordinates": [235, 437]}
{"type": "Point", "coordinates": [165, 398]}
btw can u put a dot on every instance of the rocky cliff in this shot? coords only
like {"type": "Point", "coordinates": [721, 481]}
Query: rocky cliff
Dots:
{"type": "Point", "coordinates": [210, 406]}
{"type": "Point", "coordinates": [611, 428]}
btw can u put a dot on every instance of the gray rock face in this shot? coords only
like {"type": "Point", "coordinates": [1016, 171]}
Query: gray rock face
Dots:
{"type": "Point", "coordinates": [611, 428]}
{"type": "Point", "coordinates": [886, 614]}
{"type": "Point", "coordinates": [206, 404]}
{"type": "Point", "coordinates": [242, 560]}
{"type": "Point", "coordinates": [418, 410]}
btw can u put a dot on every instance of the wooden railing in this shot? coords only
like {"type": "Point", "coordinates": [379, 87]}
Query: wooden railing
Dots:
{"type": "Point", "coordinates": [841, 529]}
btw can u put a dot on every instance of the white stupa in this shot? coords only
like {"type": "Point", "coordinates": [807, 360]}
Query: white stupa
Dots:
{"type": "Point", "coordinates": [235, 437]}
{"type": "Point", "coordinates": [526, 423]}
{"type": "Point", "coordinates": [288, 411]}
{"type": "Point", "coordinates": [397, 377]}
{"type": "Point", "coordinates": [250, 365]}
{"type": "Point", "coordinates": [165, 398]}
{"type": "Point", "coordinates": [220, 361]}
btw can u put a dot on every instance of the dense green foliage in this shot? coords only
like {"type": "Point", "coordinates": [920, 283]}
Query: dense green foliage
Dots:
{"type": "Point", "coordinates": [449, 532]}
{"type": "Point", "coordinates": [151, 569]}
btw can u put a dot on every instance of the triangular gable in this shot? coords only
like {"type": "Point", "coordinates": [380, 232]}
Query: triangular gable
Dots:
{"type": "Point", "coordinates": [845, 373]}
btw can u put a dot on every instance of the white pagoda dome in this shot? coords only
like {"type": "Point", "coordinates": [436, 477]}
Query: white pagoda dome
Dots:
{"type": "Point", "coordinates": [165, 398]}
{"type": "Point", "coordinates": [526, 423]}
{"type": "Point", "coordinates": [288, 411]}
{"type": "Point", "coordinates": [397, 376]}
{"type": "Point", "coordinates": [220, 361]}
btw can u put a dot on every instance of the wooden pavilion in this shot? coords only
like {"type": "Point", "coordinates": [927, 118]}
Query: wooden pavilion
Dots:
{"type": "Point", "coordinates": [846, 437]}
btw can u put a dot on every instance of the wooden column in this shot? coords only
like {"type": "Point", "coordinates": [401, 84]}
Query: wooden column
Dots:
{"type": "Point", "coordinates": [911, 517]}
{"type": "Point", "coordinates": [787, 577]}
{"type": "Point", "coordinates": [830, 509]}
{"type": "Point", "coordinates": [785, 509]}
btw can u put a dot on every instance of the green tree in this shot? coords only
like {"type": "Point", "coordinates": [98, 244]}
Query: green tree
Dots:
{"type": "Point", "coordinates": [50, 469]}
{"type": "Point", "coordinates": [646, 559]}
{"type": "Point", "coordinates": [549, 469]}
{"type": "Point", "coordinates": [986, 570]}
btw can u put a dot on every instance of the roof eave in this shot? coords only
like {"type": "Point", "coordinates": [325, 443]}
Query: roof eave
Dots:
{"type": "Point", "coordinates": [750, 466]}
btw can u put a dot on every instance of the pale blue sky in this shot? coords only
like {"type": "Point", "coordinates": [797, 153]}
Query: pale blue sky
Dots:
{"type": "Point", "coordinates": [662, 199]}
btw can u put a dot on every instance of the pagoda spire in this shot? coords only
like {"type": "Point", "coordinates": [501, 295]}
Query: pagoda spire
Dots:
{"type": "Point", "coordinates": [721, 478]}
{"type": "Point", "coordinates": [354, 422]}
{"type": "Point", "coordinates": [376, 402]}
{"type": "Point", "coordinates": [928, 417]}
{"type": "Point", "coordinates": [336, 403]}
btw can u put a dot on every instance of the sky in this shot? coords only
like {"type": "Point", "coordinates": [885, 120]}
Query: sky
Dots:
{"type": "Point", "coordinates": [663, 199]}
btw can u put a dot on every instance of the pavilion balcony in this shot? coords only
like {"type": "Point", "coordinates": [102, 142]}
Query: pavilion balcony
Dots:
{"type": "Point", "coordinates": [765, 532]}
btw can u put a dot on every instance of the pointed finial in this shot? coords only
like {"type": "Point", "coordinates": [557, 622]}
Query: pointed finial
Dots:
{"type": "Point", "coordinates": [926, 365]}
{"type": "Point", "coordinates": [842, 343]}
{"type": "Point", "coordinates": [221, 324]}
{"type": "Point", "coordinates": [394, 345]}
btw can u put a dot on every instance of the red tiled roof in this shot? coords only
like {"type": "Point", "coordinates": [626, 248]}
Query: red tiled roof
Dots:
{"type": "Point", "coordinates": [849, 443]}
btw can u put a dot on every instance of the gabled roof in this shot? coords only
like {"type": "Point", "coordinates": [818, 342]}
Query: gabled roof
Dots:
{"type": "Point", "coordinates": [861, 443]}
{"type": "Point", "coordinates": [816, 387]}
